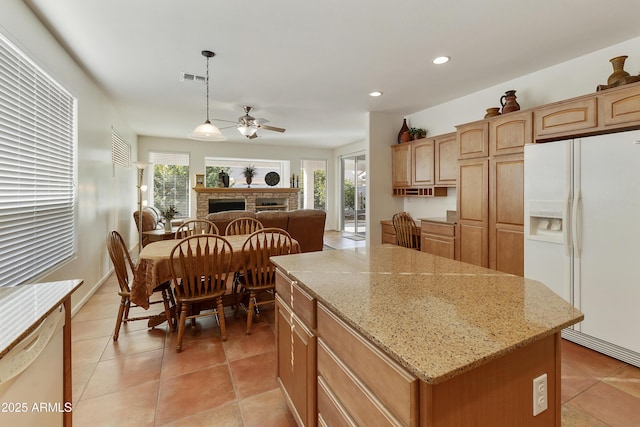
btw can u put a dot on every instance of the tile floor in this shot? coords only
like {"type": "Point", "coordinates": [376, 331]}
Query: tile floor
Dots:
{"type": "Point", "coordinates": [142, 381]}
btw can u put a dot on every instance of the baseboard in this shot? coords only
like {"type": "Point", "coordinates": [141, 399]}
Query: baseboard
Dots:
{"type": "Point", "coordinates": [90, 293]}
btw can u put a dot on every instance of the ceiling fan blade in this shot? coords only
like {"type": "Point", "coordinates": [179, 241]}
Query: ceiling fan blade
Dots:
{"type": "Point", "coordinates": [273, 128]}
{"type": "Point", "coordinates": [255, 135]}
{"type": "Point", "coordinates": [222, 120]}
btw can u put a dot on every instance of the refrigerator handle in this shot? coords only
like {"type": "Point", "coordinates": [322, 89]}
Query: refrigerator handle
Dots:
{"type": "Point", "coordinates": [576, 223]}
{"type": "Point", "coordinates": [567, 231]}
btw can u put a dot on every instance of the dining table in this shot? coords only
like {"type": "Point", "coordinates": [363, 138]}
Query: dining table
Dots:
{"type": "Point", "coordinates": [152, 268]}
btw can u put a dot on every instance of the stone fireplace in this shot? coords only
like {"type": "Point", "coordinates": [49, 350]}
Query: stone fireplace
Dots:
{"type": "Point", "coordinates": [255, 199]}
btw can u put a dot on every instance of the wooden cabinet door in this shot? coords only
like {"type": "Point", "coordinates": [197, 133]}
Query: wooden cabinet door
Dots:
{"type": "Point", "coordinates": [446, 155]}
{"type": "Point", "coordinates": [401, 165]}
{"type": "Point", "coordinates": [423, 166]}
{"type": "Point", "coordinates": [473, 212]}
{"type": "Point", "coordinates": [509, 133]}
{"type": "Point", "coordinates": [388, 232]}
{"type": "Point", "coordinates": [566, 118]}
{"type": "Point", "coordinates": [506, 222]}
{"type": "Point", "coordinates": [296, 364]}
{"type": "Point", "coordinates": [621, 107]}
{"type": "Point", "coordinates": [473, 140]}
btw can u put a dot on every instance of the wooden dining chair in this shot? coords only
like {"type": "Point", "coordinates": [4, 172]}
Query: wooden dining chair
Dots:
{"type": "Point", "coordinates": [257, 283]}
{"type": "Point", "coordinates": [405, 227]}
{"type": "Point", "coordinates": [196, 226]}
{"type": "Point", "coordinates": [200, 266]}
{"type": "Point", "coordinates": [243, 226]}
{"type": "Point", "coordinates": [124, 269]}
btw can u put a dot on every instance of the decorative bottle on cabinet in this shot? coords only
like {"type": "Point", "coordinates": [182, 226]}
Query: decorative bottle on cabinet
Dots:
{"type": "Point", "coordinates": [508, 101]}
{"type": "Point", "coordinates": [403, 135]}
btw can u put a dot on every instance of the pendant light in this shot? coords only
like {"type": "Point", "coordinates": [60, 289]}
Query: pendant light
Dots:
{"type": "Point", "coordinates": [207, 131]}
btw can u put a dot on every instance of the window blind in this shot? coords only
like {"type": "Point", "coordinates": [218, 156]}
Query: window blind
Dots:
{"type": "Point", "coordinates": [120, 151]}
{"type": "Point", "coordinates": [37, 169]}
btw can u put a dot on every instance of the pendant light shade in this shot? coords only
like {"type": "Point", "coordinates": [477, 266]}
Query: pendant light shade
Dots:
{"type": "Point", "coordinates": [207, 131]}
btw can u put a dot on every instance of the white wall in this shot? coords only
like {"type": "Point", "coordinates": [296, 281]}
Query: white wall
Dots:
{"type": "Point", "coordinates": [200, 149]}
{"type": "Point", "coordinates": [106, 196]}
{"type": "Point", "coordinates": [573, 78]}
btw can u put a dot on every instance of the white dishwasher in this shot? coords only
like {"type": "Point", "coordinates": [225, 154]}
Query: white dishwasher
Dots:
{"type": "Point", "coordinates": [31, 377]}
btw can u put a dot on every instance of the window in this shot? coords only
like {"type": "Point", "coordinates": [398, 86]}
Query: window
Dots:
{"type": "Point", "coordinates": [37, 169]}
{"type": "Point", "coordinates": [234, 167]}
{"type": "Point", "coordinates": [314, 184]}
{"type": "Point", "coordinates": [171, 181]}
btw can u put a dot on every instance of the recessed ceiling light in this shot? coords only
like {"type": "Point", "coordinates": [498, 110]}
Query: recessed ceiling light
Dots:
{"type": "Point", "coordinates": [441, 60]}
{"type": "Point", "coordinates": [375, 93]}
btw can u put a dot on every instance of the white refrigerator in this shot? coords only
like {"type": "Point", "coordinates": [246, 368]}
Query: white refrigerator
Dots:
{"type": "Point", "coordinates": [582, 234]}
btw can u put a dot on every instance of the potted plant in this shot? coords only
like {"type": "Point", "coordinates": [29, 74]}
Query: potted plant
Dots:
{"type": "Point", "coordinates": [168, 214]}
{"type": "Point", "coordinates": [417, 133]}
{"type": "Point", "coordinates": [249, 172]}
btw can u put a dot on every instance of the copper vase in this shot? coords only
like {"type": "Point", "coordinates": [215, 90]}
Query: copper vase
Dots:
{"type": "Point", "coordinates": [508, 102]}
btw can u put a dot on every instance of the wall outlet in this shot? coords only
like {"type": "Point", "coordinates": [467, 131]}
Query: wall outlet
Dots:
{"type": "Point", "coordinates": [540, 395]}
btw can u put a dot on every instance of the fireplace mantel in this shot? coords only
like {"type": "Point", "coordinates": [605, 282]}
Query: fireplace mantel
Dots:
{"type": "Point", "coordinates": [253, 197]}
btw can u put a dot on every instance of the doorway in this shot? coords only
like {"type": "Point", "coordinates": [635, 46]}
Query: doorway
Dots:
{"type": "Point", "coordinates": [354, 194]}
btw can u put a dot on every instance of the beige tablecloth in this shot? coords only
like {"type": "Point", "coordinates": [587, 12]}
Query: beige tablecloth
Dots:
{"type": "Point", "coordinates": [153, 266]}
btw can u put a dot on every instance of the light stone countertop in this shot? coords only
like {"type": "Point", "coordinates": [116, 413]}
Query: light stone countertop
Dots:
{"type": "Point", "coordinates": [23, 307]}
{"type": "Point", "coordinates": [435, 316]}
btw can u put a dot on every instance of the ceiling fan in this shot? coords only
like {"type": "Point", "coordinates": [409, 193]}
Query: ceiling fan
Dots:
{"type": "Point", "coordinates": [248, 125]}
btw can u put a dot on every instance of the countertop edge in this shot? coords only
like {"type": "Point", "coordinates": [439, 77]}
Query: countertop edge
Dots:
{"type": "Point", "coordinates": [35, 323]}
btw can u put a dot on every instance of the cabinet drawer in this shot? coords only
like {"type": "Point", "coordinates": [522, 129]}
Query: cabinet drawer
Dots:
{"type": "Point", "coordinates": [396, 388]}
{"type": "Point", "coordinates": [304, 306]}
{"type": "Point", "coordinates": [300, 302]}
{"type": "Point", "coordinates": [363, 406]}
{"type": "Point", "coordinates": [283, 287]}
{"type": "Point", "coordinates": [566, 118]}
{"type": "Point", "coordinates": [439, 229]}
{"type": "Point", "coordinates": [330, 411]}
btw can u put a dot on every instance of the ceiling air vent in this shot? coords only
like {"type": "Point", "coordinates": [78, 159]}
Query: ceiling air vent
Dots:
{"type": "Point", "coordinates": [192, 78]}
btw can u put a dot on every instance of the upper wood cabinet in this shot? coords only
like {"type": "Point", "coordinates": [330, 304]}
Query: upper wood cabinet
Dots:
{"type": "Point", "coordinates": [509, 133]}
{"type": "Point", "coordinates": [566, 118]}
{"type": "Point", "coordinates": [597, 113]}
{"type": "Point", "coordinates": [423, 162]}
{"type": "Point", "coordinates": [473, 140]}
{"type": "Point", "coordinates": [401, 165]}
{"type": "Point", "coordinates": [446, 156]}
{"type": "Point", "coordinates": [620, 108]}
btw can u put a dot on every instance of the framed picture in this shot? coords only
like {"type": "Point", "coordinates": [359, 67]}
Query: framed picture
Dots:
{"type": "Point", "coordinates": [199, 180]}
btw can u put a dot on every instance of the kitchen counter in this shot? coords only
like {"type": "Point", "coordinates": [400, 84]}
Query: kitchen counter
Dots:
{"type": "Point", "coordinates": [436, 317]}
{"type": "Point", "coordinates": [392, 336]}
{"type": "Point", "coordinates": [23, 307]}
{"type": "Point", "coordinates": [443, 220]}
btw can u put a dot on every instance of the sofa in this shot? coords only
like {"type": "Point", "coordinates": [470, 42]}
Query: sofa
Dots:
{"type": "Point", "coordinates": [304, 225]}
{"type": "Point", "coordinates": [152, 219]}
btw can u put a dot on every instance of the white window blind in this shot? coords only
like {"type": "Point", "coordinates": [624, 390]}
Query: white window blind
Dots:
{"type": "Point", "coordinates": [37, 169]}
{"type": "Point", "coordinates": [171, 181]}
{"type": "Point", "coordinates": [120, 151]}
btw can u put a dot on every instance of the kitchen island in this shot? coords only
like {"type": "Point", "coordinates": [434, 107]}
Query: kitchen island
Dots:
{"type": "Point", "coordinates": [392, 336]}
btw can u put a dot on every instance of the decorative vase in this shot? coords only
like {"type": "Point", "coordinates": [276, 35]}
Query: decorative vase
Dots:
{"type": "Point", "coordinates": [249, 180]}
{"type": "Point", "coordinates": [167, 224]}
{"type": "Point", "coordinates": [403, 135]}
{"type": "Point", "coordinates": [508, 102]}
{"type": "Point", "coordinates": [619, 74]}
{"type": "Point", "coordinates": [492, 112]}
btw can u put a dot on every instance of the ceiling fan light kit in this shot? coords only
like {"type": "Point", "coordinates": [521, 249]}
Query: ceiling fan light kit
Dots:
{"type": "Point", "coordinates": [207, 131]}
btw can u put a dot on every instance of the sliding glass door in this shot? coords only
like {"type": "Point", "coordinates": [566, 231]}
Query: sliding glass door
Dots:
{"type": "Point", "coordinates": [354, 193]}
